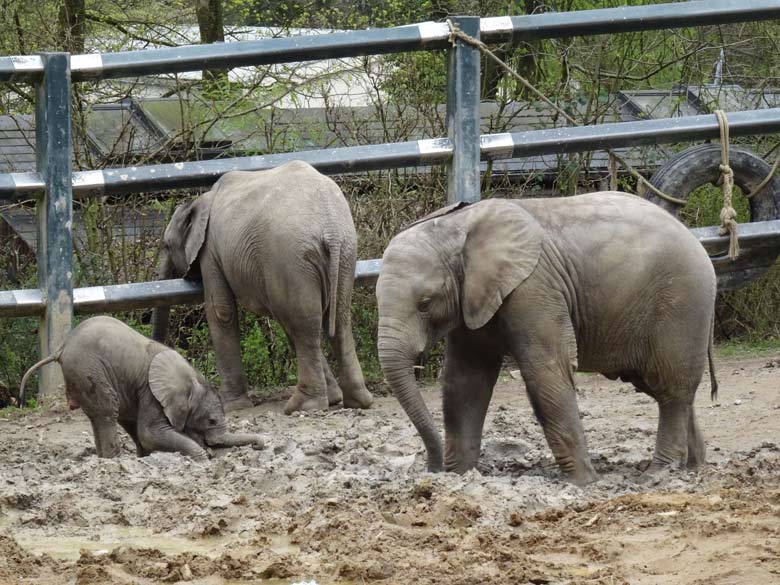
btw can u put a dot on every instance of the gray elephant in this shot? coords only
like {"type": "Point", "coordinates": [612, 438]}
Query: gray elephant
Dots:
{"type": "Point", "coordinates": [604, 282]}
{"type": "Point", "coordinates": [115, 374]}
{"type": "Point", "coordinates": [282, 243]}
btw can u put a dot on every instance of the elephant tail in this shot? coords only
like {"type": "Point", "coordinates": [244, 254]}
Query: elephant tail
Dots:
{"type": "Point", "coordinates": [713, 380]}
{"type": "Point", "coordinates": [52, 358]}
{"type": "Point", "coordinates": [333, 278]}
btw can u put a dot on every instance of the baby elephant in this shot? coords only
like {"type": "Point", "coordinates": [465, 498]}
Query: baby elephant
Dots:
{"type": "Point", "coordinates": [117, 375]}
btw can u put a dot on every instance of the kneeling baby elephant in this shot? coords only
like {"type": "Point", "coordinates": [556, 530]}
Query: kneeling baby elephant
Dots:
{"type": "Point", "coordinates": [117, 375]}
{"type": "Point", "coordinates": [605, 282]}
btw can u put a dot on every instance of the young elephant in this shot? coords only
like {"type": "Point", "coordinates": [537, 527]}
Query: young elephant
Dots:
{"type": "Point", "coordinates": [281, 243]}
{"type": "Point", "coordinates": [117, 375]}
{"type": "Point", "coordinates": [605, 282]}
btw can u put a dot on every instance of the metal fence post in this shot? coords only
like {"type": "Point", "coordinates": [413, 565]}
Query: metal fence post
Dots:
{"type": "Point", "coordinates": [463, 93]}
{"type": "Point", "coordinates": [53, 148]}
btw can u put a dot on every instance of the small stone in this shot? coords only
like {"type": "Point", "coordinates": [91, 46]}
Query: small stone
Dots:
{"type": "Point", "coordinates": [186, 573]}
{"type": "Point", "coordinates": [737, 402]}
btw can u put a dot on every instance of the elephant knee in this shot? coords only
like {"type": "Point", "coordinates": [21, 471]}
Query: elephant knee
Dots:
{"type": "Point", "coordinates": [148, 439]}
{"type": "Point", "coordinates": [224, 313]}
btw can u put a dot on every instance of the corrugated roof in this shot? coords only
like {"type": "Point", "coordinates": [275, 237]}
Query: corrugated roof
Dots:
{"type": "Point", "coordinates": [163, 128]}
{"type": "Point", "coordinates": [17, 144]}
{"type": "Point", "coordinates": [129, 224]}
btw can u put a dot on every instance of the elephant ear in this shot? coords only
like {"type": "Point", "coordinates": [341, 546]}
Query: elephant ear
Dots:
{"type": "Point", "coordinates": [187, 229]}
{"type": "Point", "coordinates": [172, 382]}
{"type": "Point", "coordinates": [502, 249]}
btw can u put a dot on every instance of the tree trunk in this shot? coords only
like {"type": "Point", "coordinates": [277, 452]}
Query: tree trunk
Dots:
{"type": "Point", "coordinates": [526, 62]}
{"type": "Point", "coordinates": [212, 30]}
{"type": "Point", "coordinates": [71, 26]}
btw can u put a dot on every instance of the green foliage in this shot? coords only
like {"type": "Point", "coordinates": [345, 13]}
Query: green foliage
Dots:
{"type": "Point", "coordinates": [745, 348]}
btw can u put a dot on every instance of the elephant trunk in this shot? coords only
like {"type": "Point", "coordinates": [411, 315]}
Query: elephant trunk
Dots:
{"type": "Point", "coordinates": [397, 366]}
{"type": "Point", "coordinates": [222, 438]}
{"type": "Point", "coordinates": [161, 316]}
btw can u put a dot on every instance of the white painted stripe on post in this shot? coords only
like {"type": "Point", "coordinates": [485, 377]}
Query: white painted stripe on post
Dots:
{"type": "Point", "coordinates": [89, 294]}
{"type": "Point", "coordinates": [27, 63]}
{"type": "Point", "coordinates": [88, 62]}
{"type": "Point", "coordinates": [495, 146]}
{"type": "Point", "coordinates": [433, 31]}
{"type": "Point", "coordinates": [27, 182]}
{"type": "Point", "coordinates": [28, 297]}
{"type": "Point", "coordinates": [89, 181]}
{"type": "Point", "coordinates": [434, 148]}
{"type": "Point", "coordinates": [496, 24]}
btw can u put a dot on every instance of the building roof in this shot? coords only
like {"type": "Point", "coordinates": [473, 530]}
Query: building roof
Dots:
{"type": "Point", "coordinates": [158, 129]}
{"type": "Point", "coordinates": [131, 224]}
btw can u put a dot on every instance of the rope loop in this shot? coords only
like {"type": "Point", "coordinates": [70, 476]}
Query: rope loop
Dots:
{"type": "Point", "coordinates": [728, 215]}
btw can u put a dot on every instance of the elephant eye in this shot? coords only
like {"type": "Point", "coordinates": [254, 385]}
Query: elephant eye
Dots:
{"type": "Point", "coordinates": [212, 422]}
{"type": "Point", "coordinates": [424, 304]}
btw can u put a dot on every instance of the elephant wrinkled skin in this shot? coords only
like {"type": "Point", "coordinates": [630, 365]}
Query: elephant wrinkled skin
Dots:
{"type": "Point", "coordinates": [604, 282]}
{"type": "Point", "coordinates": [281, 243]}
{"type": "Point", "coordinates": [116, 375]}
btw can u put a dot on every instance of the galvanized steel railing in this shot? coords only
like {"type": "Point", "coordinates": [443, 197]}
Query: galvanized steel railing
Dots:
{"type": "Point", "coordinates": [55, 183]}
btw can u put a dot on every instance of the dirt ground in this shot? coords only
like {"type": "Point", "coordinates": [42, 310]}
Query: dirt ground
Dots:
{"type": "Point", "coordinates": [342, 497]}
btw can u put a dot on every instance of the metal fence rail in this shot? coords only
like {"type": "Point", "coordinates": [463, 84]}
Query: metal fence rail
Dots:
{"type": "Point", "coordinates": [423, 36]}
{"type": "Point", "coordinates": [55, 184]}
{"type": "Point", "coordinates": [416, 153]}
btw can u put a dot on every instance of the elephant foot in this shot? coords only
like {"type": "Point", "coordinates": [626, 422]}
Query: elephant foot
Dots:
{"type": "Point", "coordinates": [299, 401]}
{"type": "Point", "coordinates": [360, 399]}
{"type": "Point", "coordinates": [657, 471]}
{"type": "Point", "coordinates": [233, 403]}
{"type": "Point", "coordinates": [583, 478]}
{"type": "Point", "coordinates": [334, 395]}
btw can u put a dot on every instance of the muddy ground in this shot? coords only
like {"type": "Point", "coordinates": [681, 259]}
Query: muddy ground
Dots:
{"type": "Point", "coordinates": [342, 497]}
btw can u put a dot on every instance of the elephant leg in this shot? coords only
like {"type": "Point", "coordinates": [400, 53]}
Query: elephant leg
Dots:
{"type": "Point", "coordinates": [696, 449]}
{"type": "Point", "coordinates": [467, 386]}
{"type": "Point", "coordinates": [554, 402]}
{"type": "Point", "coordinates": [157, 438]}
{"type": "Point", "coordinates": [356, 395]}
{"type": "Point", "coordinates": [130, 427]}
{"type": "Point", "coordinates": [98, 399]}
{"type": "Point", "coordinates": [671, 444]}
{"type": "Point", "coordinates": [311, 391]}
{"type": "Point", "coordinates": [222, 316]}
{"type": "Point", "coordinates": [335, 394]}
{"type": "Point", "coordinates": [106, 440]}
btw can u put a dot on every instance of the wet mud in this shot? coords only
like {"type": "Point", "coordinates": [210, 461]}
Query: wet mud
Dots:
{"type": "Point", "coordinates": [342, 497]}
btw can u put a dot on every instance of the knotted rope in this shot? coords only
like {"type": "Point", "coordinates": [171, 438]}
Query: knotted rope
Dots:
{"type": "Point", "coordinates": [728, 215]}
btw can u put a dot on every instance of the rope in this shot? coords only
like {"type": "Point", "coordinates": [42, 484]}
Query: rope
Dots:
{"type": "Point", "coordinates": [768, 178]}
{"type": "Point", "coordinates": [728, 215]}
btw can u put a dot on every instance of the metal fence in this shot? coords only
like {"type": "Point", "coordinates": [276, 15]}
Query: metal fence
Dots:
{"type": "Point", "coordinates": [54, 183]}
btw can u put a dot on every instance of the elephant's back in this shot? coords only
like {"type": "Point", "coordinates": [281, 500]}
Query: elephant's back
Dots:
{"type": "Point", "coordinates": [625, 228]}
{"type": "Point", "coordinates": [290, 205]}
{"type": "Point", "coordinates": [105, 359]}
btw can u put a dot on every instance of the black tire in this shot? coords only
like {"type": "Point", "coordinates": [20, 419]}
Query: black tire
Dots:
{"type": "Point", "coordinates": [697, 166]}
